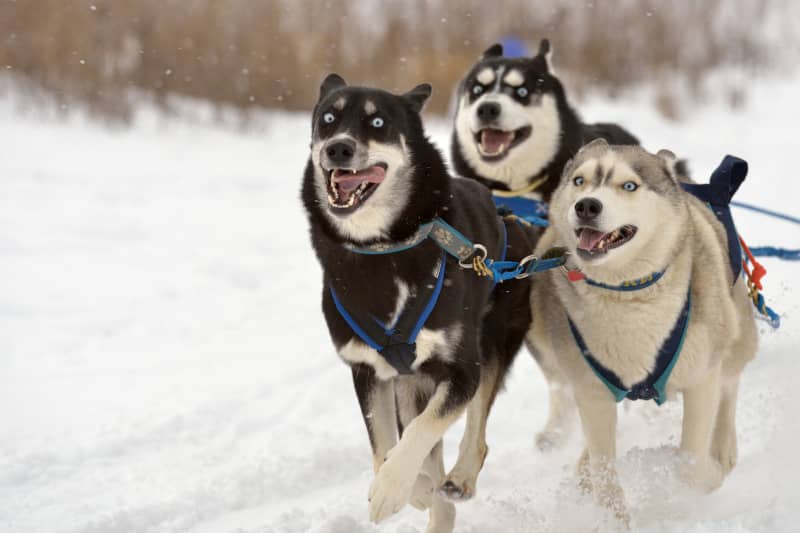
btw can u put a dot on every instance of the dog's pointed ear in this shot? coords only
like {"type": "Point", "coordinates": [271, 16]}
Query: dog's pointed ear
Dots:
{"type": "Point", "coordinates": [418, 96]}
{"type": "Point", "coordinates": [567, 169]}
{"type": "Point", "coordinates": [667, 155]}
{"type": "Point", "coordinates": [544, 47]}
{"type": "Point", "coordinates": [599, 143]}
{"type": "Point", "coordinates": [496, 50]}
{"type": "Point", "coordinates": [546, 53]}
{"type": "Point", "coordinates": [331, 82]}
{"type": "Point", "coordinates": [678, 169]}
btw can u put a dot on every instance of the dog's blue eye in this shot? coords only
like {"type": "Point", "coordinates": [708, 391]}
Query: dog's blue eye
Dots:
{"type": "Point", "coordinates": [522, 92]}
{"type": "Point", "coordinates": [328, 118]}
{"type": "Point", "coordinates": [377, 122]}
{"type": "Point", "coordinates": [477, 89]}
{"type": "Point", "coordinates": [578, 181]}
{"type": "Point", "coordinates": [630, 186]}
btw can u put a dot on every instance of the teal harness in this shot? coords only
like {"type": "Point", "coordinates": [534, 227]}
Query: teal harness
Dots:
{"type": "Point", "coordinates": [652, 387]}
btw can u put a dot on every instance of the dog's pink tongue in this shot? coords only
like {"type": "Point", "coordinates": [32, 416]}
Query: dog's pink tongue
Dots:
{"type": "Point", "coordinates": [348, 181]}
{"type": "Point", "coordinates": [589, 239]}
{"type": "Point", "coordinates": [494, 141]}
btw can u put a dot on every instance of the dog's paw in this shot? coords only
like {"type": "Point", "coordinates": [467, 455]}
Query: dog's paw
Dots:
{"type": "Point", "coordinates": [457, 490]}
{"type": "Point", "coordinates": [549, 440]}
{"type": "Point", "coordinates": [725, 452]}
{"type": "Point", "coordinates": [390, 490]}
{"type": "Point", "coordinates": [609, 494]}
{"type": "Point", "coordinates": [703, 473]}
{"type": "Point", "coordinates": [442, 518]}
{"type": "Point", "coordinates": [584, 474]}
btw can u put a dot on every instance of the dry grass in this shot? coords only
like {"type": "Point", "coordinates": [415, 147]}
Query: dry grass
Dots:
{"type": "Point", "coordinates": [272, 53]}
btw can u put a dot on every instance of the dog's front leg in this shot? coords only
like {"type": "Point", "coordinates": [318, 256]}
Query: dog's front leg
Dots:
{"type": "Point", "coordinates": [392, 486]}
{"type": "Point", "coordinates": [700, 406]}
{"type": "Point", "coordinates": [376, 399]}
{"type": "Point", "coordinates": [462, 480]}
{"type": "Point", "coordinates": [598, 413]}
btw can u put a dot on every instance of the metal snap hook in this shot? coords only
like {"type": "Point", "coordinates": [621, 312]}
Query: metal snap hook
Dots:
{"type": "Point", "coordinates": [478, 251]}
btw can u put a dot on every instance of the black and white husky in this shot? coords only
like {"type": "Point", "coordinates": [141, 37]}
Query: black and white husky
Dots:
{"type": "Point", "coordinates": [372, 180]}
{"type": "Point", "coordinates": [514, 127]}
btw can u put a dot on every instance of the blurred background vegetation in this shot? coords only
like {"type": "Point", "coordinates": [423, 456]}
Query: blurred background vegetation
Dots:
{"type": "Point", "coordinates": [107, 55]}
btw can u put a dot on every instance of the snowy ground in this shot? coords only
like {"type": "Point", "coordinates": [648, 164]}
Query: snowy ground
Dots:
{"type": "Point", "coordinates": [164, 365]}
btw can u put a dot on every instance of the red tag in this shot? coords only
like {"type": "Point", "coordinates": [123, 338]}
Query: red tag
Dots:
{"type": "Point", "coordinates": [575, 275]}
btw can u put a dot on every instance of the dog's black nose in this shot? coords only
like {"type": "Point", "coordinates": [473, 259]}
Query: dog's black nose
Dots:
{"type": "Point", "coordinates": [488, 111]}
{"type": "Point", "coordinates": [588, 208]}
{"type": "Point", "coordinates": [341, 152]}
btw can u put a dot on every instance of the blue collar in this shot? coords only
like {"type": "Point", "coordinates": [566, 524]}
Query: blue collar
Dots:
{"type": "Point", "coordinates": [438, 230]}
{"type": "Point", "coordinates": [652, 387]}
{"type": "Point", "coordinates": [630, 285]}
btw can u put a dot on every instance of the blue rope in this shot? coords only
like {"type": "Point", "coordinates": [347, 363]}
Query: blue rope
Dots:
{"type": "Point", "coordinates": [772, 251]}
{"type": "Point", "coordinates": [780, 253]}
{"type": "Point", "coordinates": [764, 211]}
{"type": "Point", "coordinates": [769, 315]}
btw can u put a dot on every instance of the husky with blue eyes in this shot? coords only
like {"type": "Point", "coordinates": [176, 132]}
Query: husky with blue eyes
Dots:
{"type": "Point", "coordinates": [651, 304]}
{"type": "Point", "coordinates": [426, 340]}
{"type": "Point", "coordinates": [514, 127]}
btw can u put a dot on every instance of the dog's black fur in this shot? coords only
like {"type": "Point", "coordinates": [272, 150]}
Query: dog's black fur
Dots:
{"type": "Point", "coordinates": [539, 79]}
{"type": "Point", "coordinates": [494, 322]}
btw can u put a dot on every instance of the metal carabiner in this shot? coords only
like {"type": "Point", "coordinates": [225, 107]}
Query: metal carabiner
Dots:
{"type": "Point", "coordinates": [466, 263]}
{"type": "Point", "coordinates": [524, 261]}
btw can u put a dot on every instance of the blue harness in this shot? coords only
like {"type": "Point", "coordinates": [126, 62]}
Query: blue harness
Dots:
{"type": "Point", "coordinates": [528, 209]}
{"type": "Point", "coordinates": [396, 346]}
{"type": "Point", "coordinates": [397, 342]}
{"type": "Point", "coordinates": [724, 183]}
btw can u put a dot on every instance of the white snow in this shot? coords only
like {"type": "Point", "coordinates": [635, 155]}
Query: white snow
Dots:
{"type": "Point", "coordinates": [164, 364]}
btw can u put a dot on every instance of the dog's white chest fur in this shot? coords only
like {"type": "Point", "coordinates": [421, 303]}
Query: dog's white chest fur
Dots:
{"type": "Point", "coordinates": [430, 342]}
{"type": "Point", "coordinates": [629, 343]}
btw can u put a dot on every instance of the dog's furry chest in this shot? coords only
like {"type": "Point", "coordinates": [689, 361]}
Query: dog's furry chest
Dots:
{"type": "Point", "coordinates": [626, 336]}
{"type": "Point", "coordinates": [430, 343]}
{"type": "Point", "coordinates": [388, 302]}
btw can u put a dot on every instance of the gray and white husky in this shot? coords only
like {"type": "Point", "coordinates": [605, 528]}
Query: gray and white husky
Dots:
{"type": "Point", "coordinates": [625, 220]}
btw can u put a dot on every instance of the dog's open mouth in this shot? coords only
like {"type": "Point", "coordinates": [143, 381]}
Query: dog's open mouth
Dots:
{"type": "Point", "coordinates": [349, 188]}
{"type": "Point", "coordinates": [494, 144]}
{"type": "Point", "coordinates": [594, 242]}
